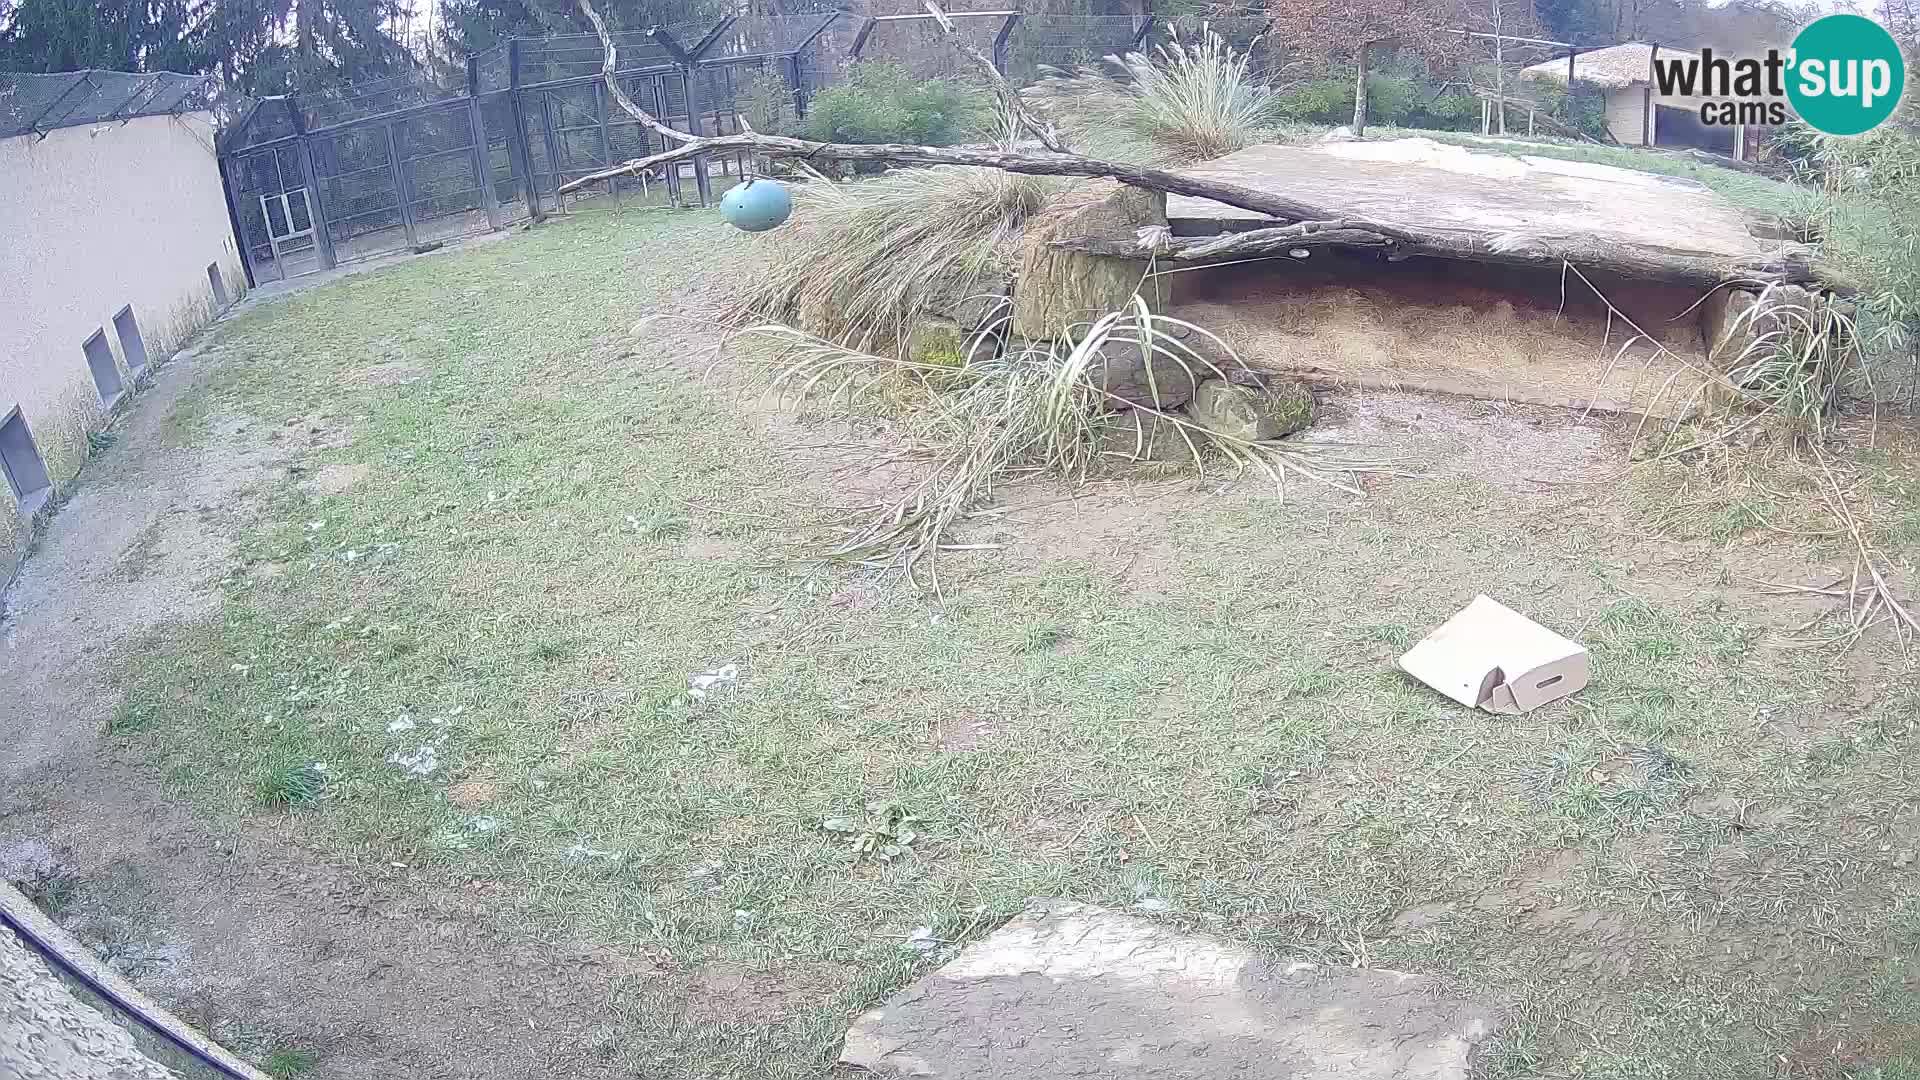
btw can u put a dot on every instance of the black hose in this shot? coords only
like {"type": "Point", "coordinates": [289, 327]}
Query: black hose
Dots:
{"type": "Point", "coordinates": [53, 956]}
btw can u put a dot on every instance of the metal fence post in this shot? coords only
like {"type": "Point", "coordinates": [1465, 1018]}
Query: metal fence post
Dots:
{"type": "Point", "coordinates": [316, 206]}
{"type": "Point", "coordinates": [400, 186]}
{"type": "Point", "coordinates": [227, 165]}
{"type": "Point", "coordinates": [701, 183]}
{"type": "Point", "coordinates": [606, 144]}
{"type": "Point", "coordinates": [1000, 43]}
{"type": "Point", "coordinates": [517, 147]}
{"type": "Point", "coordinates": [552, 141]}
{"type": "Point", "coordinates": [482, 160]}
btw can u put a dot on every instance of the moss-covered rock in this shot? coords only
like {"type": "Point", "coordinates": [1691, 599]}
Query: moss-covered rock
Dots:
{"type": "Point", "coordinates": [1252, 413]}
{"type": "Point", "coordinates": [1059, 289]}
{"type": "Point", "coordinates": [1145, 436]}
{"type": "Point", "coordinates": [1142, 377]}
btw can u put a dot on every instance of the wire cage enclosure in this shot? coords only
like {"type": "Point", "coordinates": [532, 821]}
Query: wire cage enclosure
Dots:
{"type": "Point", "coordinates": [317, 180]}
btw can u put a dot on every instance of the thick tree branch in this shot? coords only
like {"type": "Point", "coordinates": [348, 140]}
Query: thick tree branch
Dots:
{"type": "Point", "coordinates": [1009, 97]}
{"type": "Point", "coordinates": [607, 68]}
{"type": "Point", "coordinates": [1545, 251]}
{"type": "Point", "coordinates": [1264, 202]}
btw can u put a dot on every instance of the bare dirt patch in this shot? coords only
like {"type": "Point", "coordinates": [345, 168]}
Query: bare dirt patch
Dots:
{"type": "Point", "coordinates": [1526, 449]}
{"type": "Point", "coordinates": [242, 929]}
{"type": "Point", "coordinates": [728, 992]}
{"type": "Point", "coordinates": [473, 793]}
{"type": "Point", "coordinates": [338, 478]}
{"type": "Point", "coordinates": [390, 373]}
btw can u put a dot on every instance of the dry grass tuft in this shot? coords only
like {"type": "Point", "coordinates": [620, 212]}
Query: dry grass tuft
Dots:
{"type": "Point", "coordinates": [1035, 410]}
{"type": "Point", "coordinates": [1756, 439]}
{"type": "Point", "coordinates": [1187, 101]}
{"type": "Point", "coordinates": [863, 262]}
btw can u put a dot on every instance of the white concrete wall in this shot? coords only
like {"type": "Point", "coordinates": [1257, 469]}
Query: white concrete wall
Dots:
{"type": "Point", "coordinates": [92, 219]}
{"type": "Point", "coordinates": [1626, 114]}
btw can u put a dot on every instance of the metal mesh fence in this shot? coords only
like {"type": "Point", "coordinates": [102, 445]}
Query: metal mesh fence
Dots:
{"type": "Point", "coordinates": [362, 100]}
{"type": "Point", "coordinates": [922, 48]}
{"type": "Point", "coordinates": [1064, 42]}
{"type": "Point", "coordinates": [573, 56]}
{"type": "Point", "coordinates": [39, 104]}
{"type": "Point", "coordinates": [316, 180]}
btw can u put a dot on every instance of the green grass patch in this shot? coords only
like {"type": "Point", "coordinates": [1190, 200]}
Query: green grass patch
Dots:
{"type": "Point", "coordinates": [288, 1063]}
{"type": "Point", "coordinates": [557, 524]}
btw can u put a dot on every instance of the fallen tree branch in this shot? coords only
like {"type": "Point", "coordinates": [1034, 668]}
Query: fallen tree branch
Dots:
{"type": "Point", "coordinates": [1009, 97]}
{"type": "Point", "coordinates": [607, 67]}
{"type": "Point", "coordinates": [1048, 164]}
{"type": "Point", "coordinates": [1317, 224]}
{"type": "Point", "coordinates": [1589, 252]}
{"type": "Point", "coordinates": [1875, 590]}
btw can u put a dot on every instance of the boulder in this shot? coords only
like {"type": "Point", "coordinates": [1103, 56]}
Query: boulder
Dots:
{"type": "Point", "coordinates": [1728, 330]}
{"type": "Point", "coordinates": [1143, 436]}
{"type": "Point", "coordinates": [1072, 990]}
{"type": "Point", "coordinates": [1723, 326]}
{"type": "Point", "coordinates": [1138, 377]}
{"type": "Point", "coordinates": [1059, 290]}
{"type": "Point", "coordinates": [974, 301]}
{"type": "Point", "coordinates": [1252, 413]}
{"type": "Point", "coordinates": [940, 342]}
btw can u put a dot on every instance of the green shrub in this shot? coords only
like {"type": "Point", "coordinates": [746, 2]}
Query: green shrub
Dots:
{"type": "Point", "coordinates": [767, 102]}
{"type": "Point", "coordinates": [1392, 100]}
{"type": "Point", "coordinates": [882, 103]}
{"type": "Point", "coordinates": [1583, 108]}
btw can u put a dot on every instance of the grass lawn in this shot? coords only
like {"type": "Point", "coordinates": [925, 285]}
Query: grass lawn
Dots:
{"type": "Point", "coordinates": [523, 525]}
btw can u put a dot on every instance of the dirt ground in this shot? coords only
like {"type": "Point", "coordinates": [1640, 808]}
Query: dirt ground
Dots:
{"type": "Point", "coordinates": [249, 935]}
{"type": "Point", "coordinates": [274, 935]}
{"type": "Point", "coordinates": [263, 942]}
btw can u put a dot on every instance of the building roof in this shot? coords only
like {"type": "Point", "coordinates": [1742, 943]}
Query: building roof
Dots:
{"type": "Point", "coordinates": [43, 103]}
{"type": "Point", "coordinates": [1613, 67]}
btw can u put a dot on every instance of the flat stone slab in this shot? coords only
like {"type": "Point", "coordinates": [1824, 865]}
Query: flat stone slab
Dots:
{"type": "Point", "coordinates": [1422, 183]}
{"type": "Point", "coordinates": [1071, 990]}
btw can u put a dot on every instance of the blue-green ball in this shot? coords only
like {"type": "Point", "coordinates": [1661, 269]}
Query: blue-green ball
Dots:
{"type": "Point", "coordinates": [757, 205]}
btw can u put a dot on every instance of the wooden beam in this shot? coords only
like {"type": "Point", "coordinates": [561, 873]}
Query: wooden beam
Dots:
{"type": "Point", "coordinates": [1518, 40]}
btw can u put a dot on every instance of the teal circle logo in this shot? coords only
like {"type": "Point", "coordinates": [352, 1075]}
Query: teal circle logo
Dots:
{"type": "Point", "coordinates": [1846, 75]}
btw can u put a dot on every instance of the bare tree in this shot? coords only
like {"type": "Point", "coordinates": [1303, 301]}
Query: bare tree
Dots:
{"type": "Point", "coordinates": [1504, 21]}
{"type": "Point", "coordinates": [1352, 29]}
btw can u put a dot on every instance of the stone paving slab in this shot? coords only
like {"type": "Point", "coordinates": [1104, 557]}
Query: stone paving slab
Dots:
{"type": "Point", "coordinates": [1421, 183]}
{"type": "Point", "coordinates": [1074, 990]}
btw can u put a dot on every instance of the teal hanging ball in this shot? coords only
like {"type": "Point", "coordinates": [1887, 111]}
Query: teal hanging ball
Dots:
{"type": "Point", "coordinates": [757, 205]}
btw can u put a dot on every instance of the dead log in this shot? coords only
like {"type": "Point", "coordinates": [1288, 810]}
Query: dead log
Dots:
{"type": "Point", "coordinates": [1589, 253]}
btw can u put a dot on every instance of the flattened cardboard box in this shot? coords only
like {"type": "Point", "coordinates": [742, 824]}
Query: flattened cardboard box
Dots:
{"type": "Point", "coordinates": [1494, 658]}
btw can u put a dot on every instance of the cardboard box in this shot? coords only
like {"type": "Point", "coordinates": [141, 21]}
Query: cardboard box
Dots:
{"type": "Point", "coordinates": [1494, 658]}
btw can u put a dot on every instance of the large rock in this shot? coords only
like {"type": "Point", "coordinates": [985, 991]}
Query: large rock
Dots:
{"type": "Point", "coordinates": [1142, 377]}
{"type": "Point", "coordinates": [1252, 413]}
{"type": "Point", "coordinates": [1145, 436]}
{"type": "Point", "coordinates": [1071, 990]}
{"type": "Point", "coordinates": [942, 342]}
{"type": "Point", "coordinates": [974, 301]}
{"type": "Point", "coordinates": [1059, 290]}
{"type": "Point", "coordinates": [1730, 325]}
{"type": "Point", "coordinates": [1729, 330]}
{"type": "Point", "coordinates": [1724, 325]}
